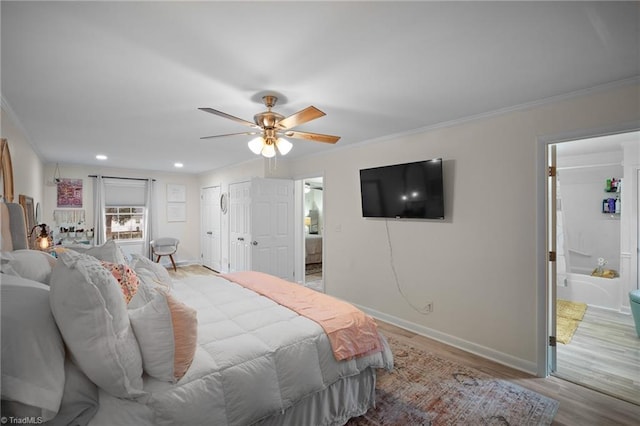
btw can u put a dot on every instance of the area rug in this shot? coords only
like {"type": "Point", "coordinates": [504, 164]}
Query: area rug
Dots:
{"type": "Point", "coordinates": [424, 389]}
{"type": "Point", "coordinates": [568, 317]}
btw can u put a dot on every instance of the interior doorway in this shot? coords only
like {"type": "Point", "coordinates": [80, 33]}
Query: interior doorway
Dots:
{"type": "Point", "coordinates": [313, 225]}
{"type": "Point", "coordinates": [210, 228]}
{"type": "Point", "coordinates": [593, 224]}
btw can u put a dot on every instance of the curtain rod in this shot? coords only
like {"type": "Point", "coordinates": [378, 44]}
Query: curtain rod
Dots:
{"type": "Point", "coordinates": [117, 177]}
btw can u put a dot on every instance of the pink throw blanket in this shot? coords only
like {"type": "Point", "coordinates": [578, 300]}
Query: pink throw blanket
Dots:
{"type": "Point", "coordinates": [351, 332]}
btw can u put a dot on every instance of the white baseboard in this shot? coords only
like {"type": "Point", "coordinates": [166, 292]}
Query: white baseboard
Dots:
{"type": "Point", "coordinates": [499, 357]}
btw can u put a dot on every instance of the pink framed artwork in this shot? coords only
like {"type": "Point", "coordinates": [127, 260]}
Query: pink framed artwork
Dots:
{"type": "Point", "coordinates": [70, 193]}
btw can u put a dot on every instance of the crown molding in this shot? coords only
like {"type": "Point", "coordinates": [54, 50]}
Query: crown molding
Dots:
{"type": "Point", "coordinates": [16, 121]}
{"type": "Point", "coordinates": [494, 113]}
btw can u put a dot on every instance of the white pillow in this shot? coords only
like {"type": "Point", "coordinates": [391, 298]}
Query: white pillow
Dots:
{"type": "Point", "coordinates": [146, 289]}
{"type": "Point", "coordinates": [167, 332]}
{"type": "Point", "coordinates": [109, 252]}
{"type": "Point", "coordinates": [91, 313]}
{"type": "Point", "coordinates": [30, 264]}
{"type": "Point", "coordinates": [159, 272]}
{"type": "Point", "coordinates": [32, 350]}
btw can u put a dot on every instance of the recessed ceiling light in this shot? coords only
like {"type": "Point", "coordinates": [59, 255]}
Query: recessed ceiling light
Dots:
{"type": "Point", "coordinates": [178, 165]}
{"type": "Point", "coordinates": [101, 157]}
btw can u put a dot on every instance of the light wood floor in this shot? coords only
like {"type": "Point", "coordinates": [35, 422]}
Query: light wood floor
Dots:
{"type": "Point", "coordinates": [603, 354]}
{"type": "Point", "coordinates": [314, 281]}
{"type": "Point", "coordinates": [184, 271]}
{"type": "Point", "coordinates": [578, 405]}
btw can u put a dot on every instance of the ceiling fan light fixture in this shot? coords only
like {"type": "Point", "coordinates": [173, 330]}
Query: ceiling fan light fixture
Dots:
{"type": "Point", "coordinates": [269, 150]}
{"type": "Point", "coordinates": [256, 145]}
{"type": "Point", "coordinates": [284, 146]}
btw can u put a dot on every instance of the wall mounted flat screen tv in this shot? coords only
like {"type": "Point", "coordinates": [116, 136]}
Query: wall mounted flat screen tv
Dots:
{"type": "Point", "coordinates": [411, 190]}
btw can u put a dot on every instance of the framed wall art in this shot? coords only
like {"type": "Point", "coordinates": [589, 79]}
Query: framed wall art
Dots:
{"type": "Point", "coordinates": [6, 172]}
{"type": "Point", "coordinates": [29, 215]}
{"type": "Point", "coordinates": [70, 192]}
{"type": "Point", "coordinates": [176, 212]}
{"type": "Point", "coordinates": [176, 193]}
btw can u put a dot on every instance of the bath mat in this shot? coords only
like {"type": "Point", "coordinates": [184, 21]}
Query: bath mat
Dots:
{"type": "Point", "coordinates": [570, 310]}
{"type": "Point", "coordinates": [565, 328]}
{"type": "Point", "coordinates": [569, 315]}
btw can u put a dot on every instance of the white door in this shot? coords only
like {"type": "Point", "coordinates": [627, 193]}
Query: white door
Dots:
{"type": "Point", "coordinates": [240, 226]}
{"type": "Point", "coordinates": [211, 236]}
{"type": "Point", "coordinates": [272, 223]}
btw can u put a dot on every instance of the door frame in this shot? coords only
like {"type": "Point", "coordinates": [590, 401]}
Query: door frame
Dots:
{"type": "Point", "coordinates": [543, 297]}
{"type": "Point", "coordinates": [299, 244]}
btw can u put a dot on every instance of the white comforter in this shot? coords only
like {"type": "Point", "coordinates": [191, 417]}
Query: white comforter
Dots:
{"type": "Point", "coordinates": [255, 359]}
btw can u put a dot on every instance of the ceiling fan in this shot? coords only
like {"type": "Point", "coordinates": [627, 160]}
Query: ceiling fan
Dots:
{"type": "Point", "coordinates": [271, 126]}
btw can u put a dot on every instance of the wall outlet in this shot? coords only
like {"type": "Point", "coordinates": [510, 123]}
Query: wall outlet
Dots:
{"type": "Point", "coordinates": [427, 308]}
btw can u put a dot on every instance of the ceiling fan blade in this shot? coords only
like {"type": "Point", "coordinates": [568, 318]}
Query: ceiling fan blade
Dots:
{"type": "Point", "coordinates": [300, 117]}
{"type": "Point", "coordinates": [317, 137]}
{"type": "Point", "coordinates": [230, 134]}
{"type": "Point", "coordinates": [230, 117]}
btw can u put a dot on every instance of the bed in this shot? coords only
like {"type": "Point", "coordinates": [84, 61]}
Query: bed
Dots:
{"type": "Point", "coordinates": [220, 350]}
{"type": "Point", "coordinates": [313, 248]}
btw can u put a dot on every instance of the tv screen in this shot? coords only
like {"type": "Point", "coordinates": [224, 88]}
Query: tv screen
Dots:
{"type": "Point", "coordinates": [411, 190]}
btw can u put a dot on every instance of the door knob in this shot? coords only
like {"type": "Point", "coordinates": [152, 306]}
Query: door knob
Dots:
{"type": "Point", "coordinates": [255, 243]}
{"type": "Point", "coordinates": [209, 233]}
{"type": "Point", "coordinates": [240, 239]}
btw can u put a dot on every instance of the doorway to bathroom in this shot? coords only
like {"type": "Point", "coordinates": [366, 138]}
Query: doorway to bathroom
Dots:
{"type": "Point", "coordinates": [313, 225]}
{"type": "Point", "coordinates": [593, 216]}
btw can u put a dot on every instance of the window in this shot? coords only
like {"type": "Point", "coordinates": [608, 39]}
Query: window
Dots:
{"type": "Point", "coordinates": [125, 222]}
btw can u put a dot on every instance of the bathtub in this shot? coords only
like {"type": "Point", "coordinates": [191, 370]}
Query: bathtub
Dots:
{"type": "Point", "coordinates": [594, 291]}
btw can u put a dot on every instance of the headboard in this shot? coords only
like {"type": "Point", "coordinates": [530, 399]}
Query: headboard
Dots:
{"type": "Point", "coordinates": [13, 230]}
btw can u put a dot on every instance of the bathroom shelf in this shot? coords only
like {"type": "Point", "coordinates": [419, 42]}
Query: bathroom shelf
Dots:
{"type": "Point", "coordinates": [611, 205]}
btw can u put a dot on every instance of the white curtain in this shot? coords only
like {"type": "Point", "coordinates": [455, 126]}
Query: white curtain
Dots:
{"type": "Point", "coordinates": [113, 191]}
{"type": "Point", "coordinates": [99, 220]}
{"type": "Point", "coordinates": [149, 217]}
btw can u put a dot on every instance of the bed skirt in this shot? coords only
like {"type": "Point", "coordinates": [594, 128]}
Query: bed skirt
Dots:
{"type": "Point", "coordinates": [344, 399]}
{"type": "Point", "coordinates": [334, 406]}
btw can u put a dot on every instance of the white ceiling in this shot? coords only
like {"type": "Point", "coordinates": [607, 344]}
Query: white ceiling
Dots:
{"type": "Point", "coordinates": [125, 79]}
{"type": "Point", "coordinates": [614, 143]}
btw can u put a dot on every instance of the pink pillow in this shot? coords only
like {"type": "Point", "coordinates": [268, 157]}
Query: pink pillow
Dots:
{"type": "Point", "coordinates": [125, 276]}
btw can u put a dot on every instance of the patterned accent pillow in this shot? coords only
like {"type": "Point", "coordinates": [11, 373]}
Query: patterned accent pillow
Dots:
{"type": "Point", "coordinates": [125, 276]}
